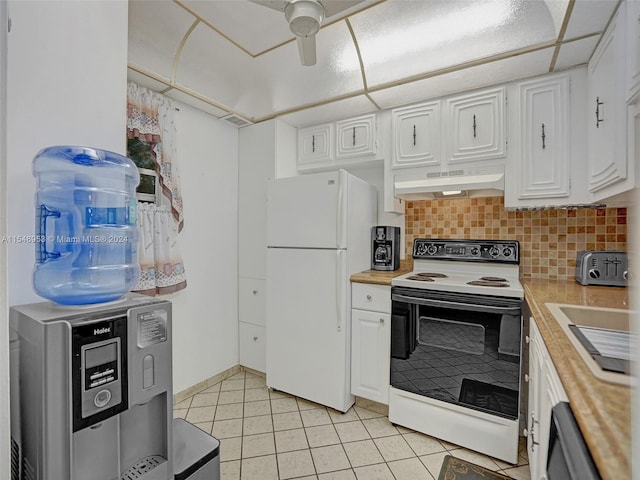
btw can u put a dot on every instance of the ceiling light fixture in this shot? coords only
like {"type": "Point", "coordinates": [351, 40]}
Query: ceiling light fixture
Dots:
{"type": "Point", "coordinates": [304, 17]}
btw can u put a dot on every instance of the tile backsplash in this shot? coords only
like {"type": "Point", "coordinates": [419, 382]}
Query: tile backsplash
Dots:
{"type": "Point", "coordinates": [549, 239]}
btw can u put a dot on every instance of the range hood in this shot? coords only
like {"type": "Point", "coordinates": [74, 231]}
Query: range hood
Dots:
{"type": "Point", "coordinates": [464, 182]}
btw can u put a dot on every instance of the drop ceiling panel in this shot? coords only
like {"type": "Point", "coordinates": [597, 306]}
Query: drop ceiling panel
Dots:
{"type": "Point", "coordinates": [216, 69]}
{"type": "Point", "coordinates": [284, 84]}
{"type": "Point", "coordinates": [513, 68]}
{"type": "Point", "coordinates": [333, 111]}
{"type": "Point", "coordinates": [255, 27]}
{"type": "Point", "coordinates": [576, 53]}
{"type": "Point", "coordinates": [401, 39]}
{"type": "Point", "coordinates": [589, 16]}
{"type": "Point", "coordinates": [155, 32]}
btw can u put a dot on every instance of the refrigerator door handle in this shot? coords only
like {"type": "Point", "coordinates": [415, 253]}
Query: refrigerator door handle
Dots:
{"type": "Point", "coordinates": [340, 290]}
{"type": "Point", "coordinates": [340, 216]}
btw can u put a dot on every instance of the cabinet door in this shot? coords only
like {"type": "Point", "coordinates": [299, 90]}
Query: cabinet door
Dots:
{"type": "Point", "coordinates": [356, 137]}
{"type": "Point", "coordinates": [633, 44]}
{"type": "Point", "coordinates": [545, 391]}
{"type": "Point", "coordinates": [544, 158]}
{"type": "Point", "coordinates": [252, 304]}
{"type": "Point", "coordinates": [607, 162]}
{"type": "Point", "coordinates": [315, 146]}
{"type": "Point", "coordinates": [416, 135]}
{"type": "Point", "coordinates": [534, 378]}
{"type": "Point", "coordinates": [475, 126]}
{"type": "Point", "coordinates": [370, 350]}
{"type": "Point", "coordinates": [253, 352]}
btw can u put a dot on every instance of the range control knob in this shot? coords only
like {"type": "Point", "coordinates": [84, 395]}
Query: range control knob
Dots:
{"type": "Point", "coordinates": [507, 252]}
{"type": "Point", "coordinates": [593, 273]}
{"type": "Point", "coordinates": [475, 251]}
{"type": "Point", "coordinates": [494, 252]}
{"type": "Point", "coordinates": [432, 249]}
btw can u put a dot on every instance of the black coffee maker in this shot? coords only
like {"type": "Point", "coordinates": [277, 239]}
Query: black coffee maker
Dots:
{"type": "Point", "coordinates": [385, 248]}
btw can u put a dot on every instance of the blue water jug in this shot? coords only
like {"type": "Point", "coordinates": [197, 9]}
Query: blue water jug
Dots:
{"type": "Point", "coordinates": [86, 233]}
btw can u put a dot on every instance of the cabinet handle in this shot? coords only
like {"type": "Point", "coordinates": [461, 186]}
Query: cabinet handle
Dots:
{"type": "Point", "coordinates": [474, 126]}
{"type": "Point", "coordinates": [313, 143]}
{"type": "Point", "coordinates": [255, 292]}
{"type": "Point", "coordinates": [527, 339]}
{"type": "Point", "coordinates": [414, 135]}
{"type": "Point", "coordinates": [527, 378]}
{"type": "Point", "coordinates": [382, 321]}
{"type": "Point", "coordinates": [543, 137]}
{"type": "Point", "coordinates": [368, 296]}
{"type": "Point", "coordinates": [255, 339]}
{"type": "Point", "coordinates": [598, 119]}
{"type": "Point", "coordinates": [354, 136]}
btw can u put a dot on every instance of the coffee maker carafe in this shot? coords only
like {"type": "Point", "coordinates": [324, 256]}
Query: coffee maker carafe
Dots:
{"type": "Point", "coordinates": [385, 248]}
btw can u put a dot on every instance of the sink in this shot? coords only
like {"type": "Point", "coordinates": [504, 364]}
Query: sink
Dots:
{"type": "Point", "coordinates": [601, 336]}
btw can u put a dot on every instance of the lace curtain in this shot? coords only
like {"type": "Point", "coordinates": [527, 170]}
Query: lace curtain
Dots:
{"type": "Point", "coordinates": [150, 121]}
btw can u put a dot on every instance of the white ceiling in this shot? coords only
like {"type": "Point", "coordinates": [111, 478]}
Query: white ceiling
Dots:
{"type": "Point", "coordinates": [237, 57]}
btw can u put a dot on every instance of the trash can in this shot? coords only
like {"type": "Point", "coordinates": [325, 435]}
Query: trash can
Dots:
{"type": "Point", "coordinates": [196, 454]}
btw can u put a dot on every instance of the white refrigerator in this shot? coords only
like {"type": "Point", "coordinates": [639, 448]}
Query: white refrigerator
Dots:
{"type": "Point", "coordinates": [318, 234]}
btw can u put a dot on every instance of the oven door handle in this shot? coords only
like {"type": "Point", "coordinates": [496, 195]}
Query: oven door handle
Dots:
{"type": "Point", "coordinates": [430, 302]}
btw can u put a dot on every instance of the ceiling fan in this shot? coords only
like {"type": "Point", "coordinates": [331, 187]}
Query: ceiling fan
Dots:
{"type": "Point", "coordinates": [305, 18]}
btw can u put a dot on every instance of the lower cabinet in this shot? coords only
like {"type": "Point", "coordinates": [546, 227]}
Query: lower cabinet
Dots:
{"type": "Point", "coordinates": [371, 342]}
{"type": "Point", "coordinates": [253, 353]}
{"type": "Point", "coordinates": [545, 391]}
{"type": "Point", "coordinates": [252, 310]}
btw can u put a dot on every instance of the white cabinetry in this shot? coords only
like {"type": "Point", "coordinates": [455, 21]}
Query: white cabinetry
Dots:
{"type": "Point", "coordinates": [633, 48]}
{"type": "Point", "coordinates": [470, 129]}
{"type": "Point", "coordinates": [356, 137]}
{"type": "Point", "coordinates": [337, 145]}
{"type": "Point", "coordinates": [545, 165]}
{"type": "Point", "coordinates": [416, 135]}
{"type": "Point", "coordinates": [545, 391]}
{"type": "Point", "coordinates": [474, 127]}
{"type": "Point", "coordinates": [264, 150]}
{"type": "Point", "coordinates": [607, 159]}
{"type": "Point", "coordinates": [315, 146]}
{"type": "Point", "coordinates": [370, 341]}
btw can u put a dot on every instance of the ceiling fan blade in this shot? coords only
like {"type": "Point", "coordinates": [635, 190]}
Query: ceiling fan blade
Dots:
{"type": "Point", "coordinates": [307, 50]}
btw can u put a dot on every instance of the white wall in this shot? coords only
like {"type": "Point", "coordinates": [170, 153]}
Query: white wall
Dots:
{"type": "Point", "coordinates": [205, 314]}
{"type": "Point", "coordinates": [4, 327]}
{"type": "Point", "coordinates": [66, 84]}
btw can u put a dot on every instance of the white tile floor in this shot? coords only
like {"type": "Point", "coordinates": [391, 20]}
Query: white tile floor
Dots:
{"type": "Point", "coordinates": [265, 434]}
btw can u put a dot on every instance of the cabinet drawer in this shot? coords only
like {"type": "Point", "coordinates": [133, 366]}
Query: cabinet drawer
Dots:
{"type": "Point", "coordinates": [366, 296]}
{"type": "Point", "coordinates": [252, 306]}
{"type": "Point", "coordinates": [253, 353]}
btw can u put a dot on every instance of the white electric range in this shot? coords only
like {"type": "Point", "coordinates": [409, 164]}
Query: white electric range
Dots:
{"type": "Point", "coordinates": [456, 344]}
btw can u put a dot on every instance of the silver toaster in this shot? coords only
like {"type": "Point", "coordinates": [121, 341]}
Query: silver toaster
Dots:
{"type": "Point", "coordinates": [602, 268]}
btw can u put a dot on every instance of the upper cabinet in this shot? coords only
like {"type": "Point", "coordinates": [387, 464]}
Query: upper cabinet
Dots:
{"type": "Point", "coordinates": [335, 145]}
{"type": "Point", "coordinates": [470, 129]}
{"type": "Point", "coordinates": [633, 46]}
{"type": "Point", "coordinates": [474, 129]}
{"type": "Point", "coordinates": [315, 146]}
{"type": "Point", "coordinates": [546, 141]}
{"type": "Point", "coordinates": [416, 135]}
{"type": "Point", "coordinates": [356, 137]}
{"type": "Point", "coordinates": [607, 159]}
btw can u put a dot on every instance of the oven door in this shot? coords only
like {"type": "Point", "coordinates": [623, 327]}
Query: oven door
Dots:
{"type": "Point", "coordinates": [459, 348]}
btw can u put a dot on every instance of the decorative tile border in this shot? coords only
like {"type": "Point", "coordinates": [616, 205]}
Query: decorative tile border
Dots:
{"type": "Point", "coordinates": [549, 239]}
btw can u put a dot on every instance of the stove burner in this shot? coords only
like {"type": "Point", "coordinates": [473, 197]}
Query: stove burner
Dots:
{"type": "Point", "coordinates": [487, 283]}
{"type": "Point", "coordinates": [420, 278]}
{"type": "Point", "coordinates": [431, 275]}
{"type": "Point", "coordinates": [494, 279]}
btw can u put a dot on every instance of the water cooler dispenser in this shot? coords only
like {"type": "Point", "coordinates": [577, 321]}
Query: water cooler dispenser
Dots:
{"type": "Point", "coordinates": [91, 395]}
